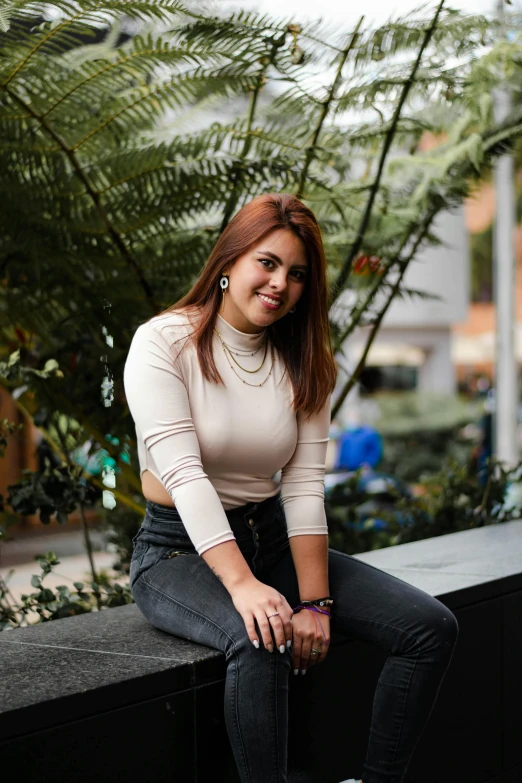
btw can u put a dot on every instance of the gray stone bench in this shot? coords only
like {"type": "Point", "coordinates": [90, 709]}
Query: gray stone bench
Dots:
{"type": "Point", "coordinates": [106, 696]}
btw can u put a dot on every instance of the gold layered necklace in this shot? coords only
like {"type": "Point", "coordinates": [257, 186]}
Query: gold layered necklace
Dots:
{"type": "Point", "coordinates": [227, 348]}
{"type": "Point", "coordinates": [244, 353]}
{"type": "Point", "coordinates": [228, 353]}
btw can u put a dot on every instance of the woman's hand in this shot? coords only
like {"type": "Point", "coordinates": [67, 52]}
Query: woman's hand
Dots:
{"type": "Point", "coordinates": [311, 630]}
{"type": "Point", "coordinates": [255, 601]}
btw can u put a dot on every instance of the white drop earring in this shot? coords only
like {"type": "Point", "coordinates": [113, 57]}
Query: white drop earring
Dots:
{"type": "Point", "coordinates": [292, 310]}
{"type": "Point", "coordinates": [224, 285]}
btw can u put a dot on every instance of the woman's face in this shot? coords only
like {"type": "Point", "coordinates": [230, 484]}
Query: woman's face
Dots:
{"type": "Point", "coordinates": [265, 282]}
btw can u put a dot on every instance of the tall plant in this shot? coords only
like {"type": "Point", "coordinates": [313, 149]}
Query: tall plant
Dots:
{"type": "Point", "coordinates": [117, 183]}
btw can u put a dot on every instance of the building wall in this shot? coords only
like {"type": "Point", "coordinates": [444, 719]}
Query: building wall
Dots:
{"type": "Point", "coordinates": [426, 325]}
{"type": "Point", "coordinates": [443, 271]}
{"type": "Point", "coordinates": [480, 316]}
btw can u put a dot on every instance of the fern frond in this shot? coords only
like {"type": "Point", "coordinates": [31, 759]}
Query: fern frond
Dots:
{"type": "Point", "coordinates": [404, 293]}
{"type": "Point", "coordinates": [118, 179]}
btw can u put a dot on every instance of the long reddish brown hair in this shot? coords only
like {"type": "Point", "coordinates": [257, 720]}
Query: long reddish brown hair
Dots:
{"type": "Point", "coordinates": [303, 338]}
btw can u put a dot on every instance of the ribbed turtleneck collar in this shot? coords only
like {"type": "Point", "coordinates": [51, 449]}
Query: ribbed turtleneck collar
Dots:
{"type": "Point", "coordinates": [236, 339]}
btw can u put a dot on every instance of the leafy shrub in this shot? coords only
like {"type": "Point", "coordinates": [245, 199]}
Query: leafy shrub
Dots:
{"type": "Point", "coordinates": [45, 604]}
{"type": "Point", "coordinates": [422, 431]}
{"type": "Point", "coordinates": [451, 500]}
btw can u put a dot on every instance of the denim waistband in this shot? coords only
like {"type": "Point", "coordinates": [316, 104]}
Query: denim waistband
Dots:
{"type": "Point", "coordinates": [163, 525]}
{"type": "Point", "coordinates": [258, 509]}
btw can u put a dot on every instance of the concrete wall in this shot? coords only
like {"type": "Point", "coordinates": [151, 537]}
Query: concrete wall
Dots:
{"type": "Point", "coordinates": [443, 271]}
{"type": "Point", "coordinates": [425, 325]}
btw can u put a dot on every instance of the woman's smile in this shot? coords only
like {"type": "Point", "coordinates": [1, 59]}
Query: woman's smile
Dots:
{"type": "Point", "coordinates": [268, 302]}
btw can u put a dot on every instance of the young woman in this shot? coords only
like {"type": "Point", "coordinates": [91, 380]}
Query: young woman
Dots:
{"type": "Point", "coordinates": [230, 393]}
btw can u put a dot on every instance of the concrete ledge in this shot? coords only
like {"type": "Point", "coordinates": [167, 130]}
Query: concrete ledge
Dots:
{"type": "Point", "coordinates": [107, 695]}
{"type": "Point", "coordinates": [459, 568]}
{"type": "Point", "coordinates": [112, 658]}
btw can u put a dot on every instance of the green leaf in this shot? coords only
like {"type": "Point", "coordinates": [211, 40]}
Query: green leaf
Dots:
{"type": "Point", "coordinates": [36, 581]}
{"type": "Point", "coordinates": [51, 365]}
{"type": "Point", "coordinates": [46, 595]}
{"type": "Point", "coordinates": [79, 586]}
{"type": "Point", "coordinates": [5, 21]}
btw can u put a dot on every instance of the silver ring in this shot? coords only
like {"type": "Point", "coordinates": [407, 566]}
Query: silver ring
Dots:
{"type": "Point", "coordinates": [275, 614]}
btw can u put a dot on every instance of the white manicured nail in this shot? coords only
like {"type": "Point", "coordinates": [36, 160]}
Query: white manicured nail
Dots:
{"type": "Point", "coordinates": [282, 648]}
{"type": "Point", "coordinates": [289, 643]}
{"type": "Point", "coordinates": [303, 671]}
{"type": "Point", "coordinates": [256, 644]}
{"type": "Point", "coordinates": [296, 671]}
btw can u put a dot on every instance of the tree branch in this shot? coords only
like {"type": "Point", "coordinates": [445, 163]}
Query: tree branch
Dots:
{"type": "Point", "coordinates": [339, 284]}
{"type": "Point", "coordinates": [377, 323]}
{"type": "Point", "coordinates": [324, 111]}
{"type": "Point", "coordinates": [233, 198]}
{"type": "Point", "coordinates": [95, 196]}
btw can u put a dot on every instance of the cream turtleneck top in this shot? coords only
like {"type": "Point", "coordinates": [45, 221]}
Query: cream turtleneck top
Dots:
{"type": "Point", "coordinates": [217, 447]}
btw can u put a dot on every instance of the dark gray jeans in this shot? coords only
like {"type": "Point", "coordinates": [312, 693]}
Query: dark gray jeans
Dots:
{"type": "Point", "coordinates": [178, 593]}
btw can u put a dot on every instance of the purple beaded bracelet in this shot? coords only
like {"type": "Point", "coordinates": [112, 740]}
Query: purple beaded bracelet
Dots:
{"type": "Point", "coordinates": [316, 610]}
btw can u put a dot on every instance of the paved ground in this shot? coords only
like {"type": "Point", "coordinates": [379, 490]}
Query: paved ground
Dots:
{"type": "Point", "coordinates": [72, 568]}
{"type": "Point", "coordinates": [18, 557]}
{"type": "Point", "coordinates": [63, 541]}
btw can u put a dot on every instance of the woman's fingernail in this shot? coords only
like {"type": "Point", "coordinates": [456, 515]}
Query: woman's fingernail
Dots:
{"type": "Point", "coordinates": [282, 648]}
{"type": "Point", "coordinates": [289, 643]}
{"type": "Point", "coordinates": [303, 671]}
{"type": "Point", "coordinates": [270, 648]}
{"type": "Point", "coordinates": [296, 671]}
{"type": "Point", "coordinates": [255, 643]}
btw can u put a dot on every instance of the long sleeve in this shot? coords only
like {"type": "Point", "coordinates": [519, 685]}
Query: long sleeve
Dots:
{"type": "Point", "coordinates": [159, 404]}
{"type": "Point", "coordinates": [302, 478]}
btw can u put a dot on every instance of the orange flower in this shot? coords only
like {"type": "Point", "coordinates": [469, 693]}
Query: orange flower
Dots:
{"type": "Point", "coordinates": [367, 265]}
